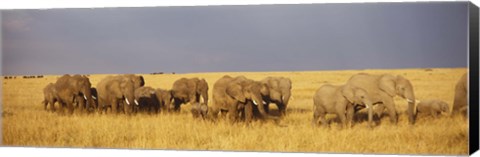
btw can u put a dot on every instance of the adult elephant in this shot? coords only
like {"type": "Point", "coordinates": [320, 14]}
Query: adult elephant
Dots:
{"type": "Point", "coordinates": [236, 95]}
{"type": "Point", "coordinates": [383, 88]}
{"type": "Point", "coordinates": [49, 96]}
{"type": "Point", "coordinates": [71, 88]}
{"type": "Point", "coordinates": [280, 92]}
{"type": "Point", "coordinates": [113, 90]}
{"type": "Point", "coordinates": [189, 90]}
{"type": "Point", "coordinates": [146, 99]}
{"type": "Point", "coordinates": [460, 101]}
{"type": "Point", "coordinates": [340, 100]}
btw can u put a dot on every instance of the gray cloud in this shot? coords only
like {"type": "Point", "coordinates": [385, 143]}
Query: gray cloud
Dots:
{"type": "Point", "coordinates": [235, 38]}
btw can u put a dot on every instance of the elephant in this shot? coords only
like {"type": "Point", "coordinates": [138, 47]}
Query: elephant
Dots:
{"type": "Point", "coordinates": [146, 98]}
{"type": "Point", "coordinates": [280, 92]}
{"type": "Point", "coordinates": [382, 89]}
{"type": "Point", "coordinates": [113, 90]}
{"type": "Point", "coordinates": [71, 88]}
{"type": "Point", "coordinates": [234, 95]}
{"type": "Point", "coordinates": [432, 107]}
{"type": "Point", "coordinates": [165, 98]}
{"type": "Point", "coordinates": [79, 101]}
{"type": "Point", "coordinates": [460, 102]}
{"type": "Point", "coordinates": [50, 96]}
{"type": "Point", "coordinates": [189, 90]}
{"type": "Point", "coordinates": [199, 110]}
{"type": "Point", "coordinates": [340, 100]}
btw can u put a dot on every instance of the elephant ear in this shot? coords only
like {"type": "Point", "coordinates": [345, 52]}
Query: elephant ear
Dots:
{"type": "Point", "coordinates": [387, 84]}
{"type": "Point", "coordinates": [236, 91]}
{"type": "Point", "coordinates": [348, 93]}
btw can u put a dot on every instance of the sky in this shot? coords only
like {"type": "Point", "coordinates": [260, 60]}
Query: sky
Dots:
{"type": "Point", "coordinates": [302, 37]}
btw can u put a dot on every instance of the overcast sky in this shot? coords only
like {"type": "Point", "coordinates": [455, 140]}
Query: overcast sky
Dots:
{"type": "Point", "coordinates": [235, 38]}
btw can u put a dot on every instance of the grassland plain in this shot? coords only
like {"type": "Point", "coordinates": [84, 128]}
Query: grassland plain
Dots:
{"type": "Point", "coordinates": [26, 123]}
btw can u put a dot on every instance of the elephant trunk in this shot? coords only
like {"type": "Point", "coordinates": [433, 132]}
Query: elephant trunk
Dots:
{"type": "Point", "coordinates": [370, 113]}
{"type": "Point", "coordinates": [411, 107]}
{"type": "Point", "coordinates": [131, 102]}
{"type": "Point", "coordinates": [258, 101]}
{"type": "Point", "coordinates": [205, 97]}
{"type": "Point", "coordinates": [285, 100]}
{"type": "Point", "coordinates": [87, 95]}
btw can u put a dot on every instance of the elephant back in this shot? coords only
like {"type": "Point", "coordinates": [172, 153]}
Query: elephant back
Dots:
{"type": "Point", "coordinates": [62, 83]}
{"type": "Point", "coordinates": [219, 88]}
{"type": "Point", "coordinates": [144, 92]}
{"type": "Point", "coordinates": [101, 86]}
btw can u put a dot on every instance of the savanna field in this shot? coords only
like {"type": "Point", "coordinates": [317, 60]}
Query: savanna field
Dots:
{"type": "Point", "coordinates": [26, 123]}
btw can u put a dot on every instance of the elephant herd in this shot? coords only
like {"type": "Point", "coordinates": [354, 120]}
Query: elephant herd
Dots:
{"type": "Point", "coordinates": [243, 99]}
{"type": "Point", "coordinates": [368, 91]}
{"type": "Point", "coordinates": [127, 94]}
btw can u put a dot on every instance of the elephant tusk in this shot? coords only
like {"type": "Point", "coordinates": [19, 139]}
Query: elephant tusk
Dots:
{"type": "Point", "coordinates": [85, 97]}
{"type": "Point", "coordinates": [254, 102]}
{"type": "Point", "coordinates": [136, 102]}
{"type": "Point", "coordinates": [264, 102]}
{"type": "Point", "coordinates": [126, 100]}
{"type": "Point", "coordinates": [410, 101]}
{"type": "Point", "coordinates": [95, 98]}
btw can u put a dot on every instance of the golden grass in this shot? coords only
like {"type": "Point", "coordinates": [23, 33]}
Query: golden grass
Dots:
{"type": "Point", "coordinates": [25, 123]}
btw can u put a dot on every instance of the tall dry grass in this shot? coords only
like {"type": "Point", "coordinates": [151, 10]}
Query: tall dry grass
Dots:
{"type": "Point", "coordinates": [25, 123]}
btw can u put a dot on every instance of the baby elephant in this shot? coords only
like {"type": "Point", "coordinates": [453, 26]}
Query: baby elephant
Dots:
{"type": "Point", "coordinates": [432, 107]}
{"type": "Point", "coordinates": [165, 98]}
{"type": "Point", "coordinates": [49, 93]}
{"type": "Point", "coordinates": [199, 110]}
{"type": "Point", "coordinates": [339, 100]}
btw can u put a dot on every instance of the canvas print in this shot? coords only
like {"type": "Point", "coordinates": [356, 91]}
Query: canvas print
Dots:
{"type": "Point", "coordinates": [371, 78]}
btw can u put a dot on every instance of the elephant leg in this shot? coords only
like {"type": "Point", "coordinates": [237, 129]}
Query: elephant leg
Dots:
{"type": "Point", "coordinates": [81, 105]}
{"type": "Point", "coordinates": [127, 109]}
{"type": "Point", "coordinates": [319, 115]}
{"type": "Point", "coordinates": [267, 108]}
{"type": "Point", "coordinates": [390, 105]}
{"type": "Point", "coordinates": [70, 107]}
{"type": "Point", "coordinates": [45, 103]}
{"type": "Point", "coordinates": [232, 113]}
{"type": "Point", "coordinates": [349, 115]}
{"type": "Point", "coordinates": [323, 119]}
{"type": "Point", "coordinates": [343, 119]}
{"type": "Point", "coordinates": [379, 110]}
{"type": "Point", "coordinates": [214, 112]}
{"type": "Point", "coordinates": [60, 107]}
{"type": "Point", "coordinates": [114, 106]}
{"type": "Point", "coordinates": [248, 111]}
{"type": "Point", "coordinates": [177, 104]}
{"type": "Point", "coordinates": [241, 114]}
{"type": "Point", "coordinates": [52, 105]}
{"type": "Point", "coordinates": [434, 114]}
{"type": "Point", "coordinates": [122, 106]}
{"type": "Point", "coordinates": [156, 107]}
{"type": "Point", "coordinates": [100, 108]}
{"type": "Point", "coordinates": [316, 116]}
{"type": "Point", "coordinates": [281, 109]}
